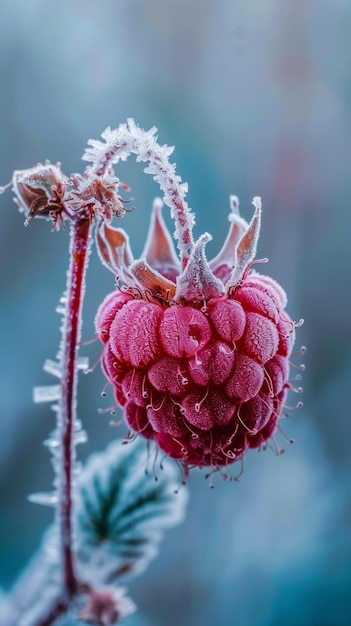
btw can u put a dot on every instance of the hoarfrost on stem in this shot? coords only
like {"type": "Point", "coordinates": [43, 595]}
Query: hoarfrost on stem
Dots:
{"type": "Point", "coordinates": [130, 139]}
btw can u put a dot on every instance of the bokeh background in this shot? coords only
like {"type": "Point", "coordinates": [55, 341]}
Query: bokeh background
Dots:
{"type": "Point", "coordinates": [256, 96]}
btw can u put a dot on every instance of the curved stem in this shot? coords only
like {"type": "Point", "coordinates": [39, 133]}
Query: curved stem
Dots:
{"type": "Point", "coordinates": [130, 139]}
{"type": "Point", "coordinates": [80, 232]}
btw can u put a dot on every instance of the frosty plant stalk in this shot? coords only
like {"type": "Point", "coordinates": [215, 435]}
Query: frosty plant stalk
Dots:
{"type": "Point", "coordinates": [197, 353]}
{"type": "Point", "coordinates": [67, 410]}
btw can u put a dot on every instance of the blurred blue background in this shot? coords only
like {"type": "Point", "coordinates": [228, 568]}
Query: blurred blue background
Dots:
{"type": "Point", "coordinates": [256, 97]}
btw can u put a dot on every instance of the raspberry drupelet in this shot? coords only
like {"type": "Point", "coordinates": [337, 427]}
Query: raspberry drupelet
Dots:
{"type": "Point", "coordinates": [197, 352]}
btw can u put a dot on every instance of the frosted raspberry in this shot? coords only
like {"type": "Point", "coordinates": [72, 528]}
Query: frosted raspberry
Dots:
{"type": "Point", "coordinates": [199, 363]}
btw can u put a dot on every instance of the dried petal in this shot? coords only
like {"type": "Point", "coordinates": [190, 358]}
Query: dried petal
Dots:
{"type": "Point", "coordinates": [245, 249]}
{"type": "Point", "coordinates": [223, 263]}
{"type": "Point", "coordinates": [159, 250]}
{"type": "Point", "coordinates": [152, 283]}
{"type": "Point", "coordinates": [114, 250]}
{"type": "Point", "coordinates": [40, 191]}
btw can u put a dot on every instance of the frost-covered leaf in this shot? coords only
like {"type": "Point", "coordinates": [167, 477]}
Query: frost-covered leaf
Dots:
{"type": "Point", "coordinates": [122, 511]}
{"type": "Point", "coordinates": [120, 516]}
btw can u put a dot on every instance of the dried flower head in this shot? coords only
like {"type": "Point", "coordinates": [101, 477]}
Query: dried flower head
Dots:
{"type": "Point", "coordinates": [44, 191]}
{"type": "Point", "coordinates": [40, 191]}
{"type": "Point", "coordinates": [98, 196]}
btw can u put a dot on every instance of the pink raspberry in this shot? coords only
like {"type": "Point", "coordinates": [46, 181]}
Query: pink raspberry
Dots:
{"type": "Point", "coordinates": [198, 355]}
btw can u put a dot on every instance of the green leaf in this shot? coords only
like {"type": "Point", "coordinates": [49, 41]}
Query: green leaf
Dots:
{"type": "Point", "coordinates": [122, 511]}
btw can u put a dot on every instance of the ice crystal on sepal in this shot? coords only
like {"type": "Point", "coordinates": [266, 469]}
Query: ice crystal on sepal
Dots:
{"type": "Point", "coordinates": [197, 283]}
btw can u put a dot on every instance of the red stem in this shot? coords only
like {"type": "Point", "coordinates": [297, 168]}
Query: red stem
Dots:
{"type": "Point", "coordinates": [80, 231]}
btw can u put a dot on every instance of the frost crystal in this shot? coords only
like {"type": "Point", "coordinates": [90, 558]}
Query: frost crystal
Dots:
{"type": "Point", "coordinates": [46, 393]}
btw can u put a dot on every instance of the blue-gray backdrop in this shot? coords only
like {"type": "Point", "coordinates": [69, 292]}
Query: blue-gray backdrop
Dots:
{"type": "Point", "coordinates": [256, 96]}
